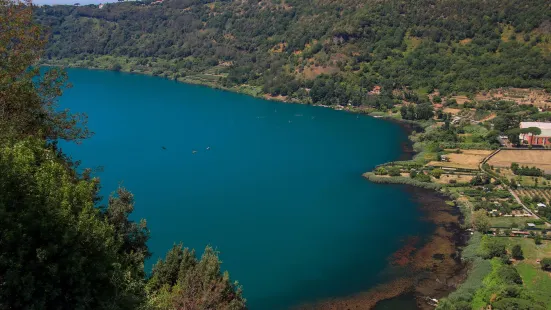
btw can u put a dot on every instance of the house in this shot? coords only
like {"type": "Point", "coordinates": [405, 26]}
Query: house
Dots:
{"type": "Point", "coordinates": [494, 212]}
{"type": "Point", "coordinates": [101, 5]}
{"type": "Point", "coordinates": [520, 233]}
{"type": "Point", "coordinates": [531, 225]}
{"type": "Point", "coordinates": [543, 139]}
{"type": "Point", "coordinates": [376, 90]}
{"type": "Point", "coordinates": [541, 205]}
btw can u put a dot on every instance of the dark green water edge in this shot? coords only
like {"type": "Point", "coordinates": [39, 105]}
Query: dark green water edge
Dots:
{"type": "Point", "coordinates": [408, 299]}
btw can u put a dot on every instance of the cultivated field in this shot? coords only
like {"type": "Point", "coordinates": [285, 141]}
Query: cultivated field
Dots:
{"type": "Point", "coordinates": [459, 178]}
{"type": "Point", "coordinates": [452, 111]}
{"type": "Point", "coordinates": [537, 158]}
{"type": "Point", "coordinates": [467, 159]}
{"type": "Point", "coordinates": [537, 97]}
{"type": "Point", "coordinates": [544, 193]}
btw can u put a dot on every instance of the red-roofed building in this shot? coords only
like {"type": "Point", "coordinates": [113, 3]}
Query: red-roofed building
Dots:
{"type": "Point", "coordinates": [543, 139]}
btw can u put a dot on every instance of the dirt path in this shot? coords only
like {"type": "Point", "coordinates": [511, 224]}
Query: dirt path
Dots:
{"type": "Point", "coordinates": [520, 202]}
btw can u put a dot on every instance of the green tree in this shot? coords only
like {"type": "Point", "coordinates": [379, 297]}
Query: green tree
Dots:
{"type": "Point", "coordinates": [437, 173]}
{"type": "Point", "coordinates": [480, 221]}
{"type": "Point", "coordinates": [27, 97]}
{"type": "Point", "coordinates": [393, 171]}
{"type": "Point", "coordinates": [56, 250]}
{"type": "Point", "coordinates": [424, 111]}
{"type": "Point", "coordinates": [132, 235]}
{"type": "Point", "coordinates": [181, 281]}
{"type": "Point", "coordinates": [546, 263]}
{"type": "Point", "coordinates": [492, 247]}
{"type": "Point", "coordinates": [516, 252]}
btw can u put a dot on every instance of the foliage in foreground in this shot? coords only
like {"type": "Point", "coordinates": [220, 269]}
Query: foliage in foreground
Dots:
{"type": "Point", "coordinates": [60, 249]}
{"type": "Point", "coordinates": [181, 281]}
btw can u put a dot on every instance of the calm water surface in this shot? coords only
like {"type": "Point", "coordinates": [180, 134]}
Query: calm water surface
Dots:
{"type": "Point", "coordinates": [279, 193]}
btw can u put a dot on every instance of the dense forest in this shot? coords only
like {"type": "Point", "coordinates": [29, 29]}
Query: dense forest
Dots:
{"type": "Point", "coordinates": [61, 245]}
{"type": "Point", "coordinates": [319, 51]}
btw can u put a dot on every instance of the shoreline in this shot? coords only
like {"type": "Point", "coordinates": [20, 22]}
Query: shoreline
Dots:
{"type": "Point", "coordinates": [432, 201]}
{"type": "Point", "coordinates": [236, 90]}
{"type": "Point", "coordinates": [429, 191]}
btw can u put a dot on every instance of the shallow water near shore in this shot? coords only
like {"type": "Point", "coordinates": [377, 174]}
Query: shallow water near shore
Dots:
{"type": "Point", "coordinates": [276, 188]}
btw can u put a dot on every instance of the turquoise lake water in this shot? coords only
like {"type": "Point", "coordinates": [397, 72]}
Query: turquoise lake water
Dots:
{"type": "Point", "coordinates": [279, 193]}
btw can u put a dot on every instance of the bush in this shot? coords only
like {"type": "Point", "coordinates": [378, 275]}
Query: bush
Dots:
{"type": "Point", "coordinates": [381, 171]}
{"type": "Point", "coordinates": [400, 180]}
{"type": "Point", "coordinates": [116, 67]}
{"type": "Point", "coordinates": [437, 173]}
{"type": "Point", "coordinates": [423, 177]}
{"type": "Point", "coordinates": [509, 275]}
{"type": "Point", "coordinates": [546, 264]}
{"type": "Point", "coordinates": [394, 171]}
{"type": "Point", "coordinates": [492, 247]}
{"type": "Point", "coordinates": [516, 252]}
{"type": "Point", "coordinates": [516, 304]}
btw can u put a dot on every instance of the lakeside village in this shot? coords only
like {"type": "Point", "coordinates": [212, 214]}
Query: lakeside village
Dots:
{"type": "Point", "coordinates": [491, 155]}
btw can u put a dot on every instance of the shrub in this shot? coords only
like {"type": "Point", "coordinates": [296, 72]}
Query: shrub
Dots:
{"type": "Point", "coordinates": [481, 222]}
{"type": "Point", "coordinates": [437, 173]}
{"type": "Point", "coordinates": [546, 264]}
{"type": "Point", "coordinates": [491, 247]}
{"type": "Point", "coordinates": [509, 275]}
{"type": "Point", "coordinates": [116, 67]}
{"type": "Point", "coordinates": [516, 252]}
{"type": "Point", "coordinates": [380, 171]}
{"type": "Point", "coordinates": [394, 171]}
{"type": "Point", "coordinates": [423, 177]}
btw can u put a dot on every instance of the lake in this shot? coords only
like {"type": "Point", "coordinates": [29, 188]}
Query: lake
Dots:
{"type": "Point", "coordinates": [275, 187]}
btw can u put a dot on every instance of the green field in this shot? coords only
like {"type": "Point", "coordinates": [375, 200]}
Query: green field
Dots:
{"type": "Point", "coordinates": [506, 222]}
{"type": "Point", "coordinates": [536, 281]}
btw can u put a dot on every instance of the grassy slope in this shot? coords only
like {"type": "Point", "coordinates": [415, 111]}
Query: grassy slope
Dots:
{"type": "Point", "coordinates": [537, 281]}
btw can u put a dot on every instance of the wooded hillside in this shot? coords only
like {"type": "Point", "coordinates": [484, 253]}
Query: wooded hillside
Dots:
{"type": "Point", "coordinates": [323, 51]}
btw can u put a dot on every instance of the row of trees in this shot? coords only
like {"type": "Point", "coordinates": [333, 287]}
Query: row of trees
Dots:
{"type": "Point", "coordinates": [59, 248]}
{"type": "Point", "coordinates": [525, 170]}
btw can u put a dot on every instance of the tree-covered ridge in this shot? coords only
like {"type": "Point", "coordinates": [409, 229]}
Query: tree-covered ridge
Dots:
{"type": "Point", "coordinates": [292, 47]}
{"type": "Point", "coordinates": [60, 247]}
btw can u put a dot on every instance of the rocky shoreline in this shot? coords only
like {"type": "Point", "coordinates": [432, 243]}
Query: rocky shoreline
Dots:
{"type": "Point", "coordinates": [438, 262]}
{"type": "Point", "coordinates": [429, 269]}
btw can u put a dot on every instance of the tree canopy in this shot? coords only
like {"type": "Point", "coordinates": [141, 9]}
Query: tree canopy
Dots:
{"type": "Point", "coordinates": [328, 52]}
{"type": "Point", "coordinates": [59, 247]}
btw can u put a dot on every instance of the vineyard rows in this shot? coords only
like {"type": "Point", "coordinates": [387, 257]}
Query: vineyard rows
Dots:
{"type": "Point", "coordinates": [544, 193]}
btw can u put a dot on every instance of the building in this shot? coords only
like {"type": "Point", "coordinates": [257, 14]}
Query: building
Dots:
{"type": "Point", "coordinates": [543, 139]}
{"type": "Point", "coordinates": [541, 205]}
